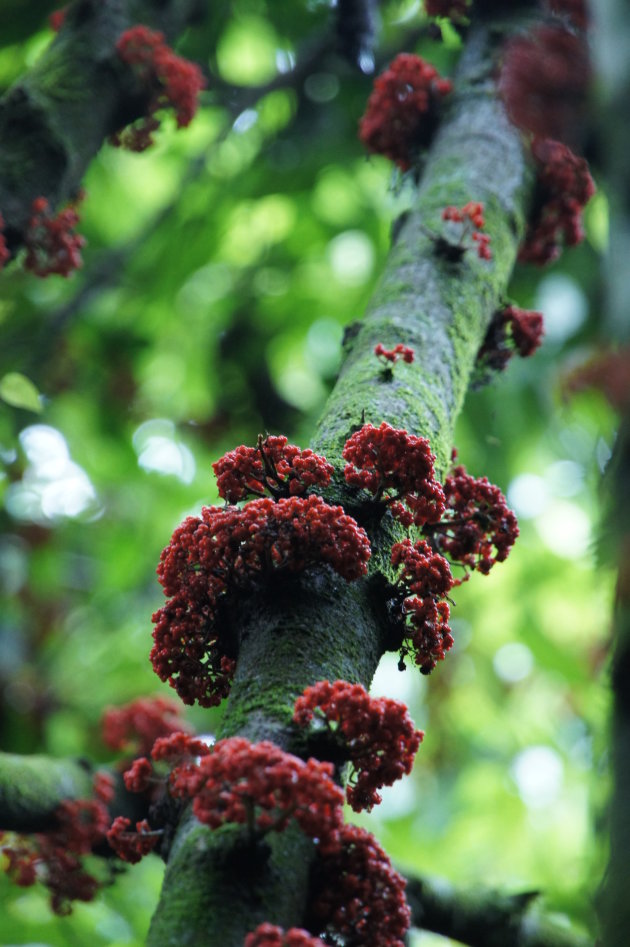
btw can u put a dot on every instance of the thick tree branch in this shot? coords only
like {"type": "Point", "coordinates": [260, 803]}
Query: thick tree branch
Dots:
{"type": "Point", "coordinates": [31, 788]}
{"type": "Point", "coordinates": [485, 918]}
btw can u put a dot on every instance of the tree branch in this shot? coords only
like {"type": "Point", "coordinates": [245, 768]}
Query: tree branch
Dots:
{"type": "Point", "coordinates": [31, 788]}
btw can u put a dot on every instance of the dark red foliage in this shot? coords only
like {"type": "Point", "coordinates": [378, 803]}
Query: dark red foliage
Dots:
{"type": "Point", "coordinates": [377, 735]}
{"type": "Point", "coordinates": [261, 786]}
{"type": "Point", "coordinates": [563, 188]}
{"type": "Point", "coordinates": [51, 244]}
{"type": "Point", "coordinates": [544, 82]}
{"type": "Point", "coordinates": [132, 845]}
{"type": "Point", "coordinates": [397, 468]}
{"type": "Point", "coordinates": [472, 222]}
{"type": "Point", "coordinates": [273, 467]}
{"type": "Point", "coordinates": [170, 82]}
{"type": "Point", "coordinates": [453, 9]}
{"type": "Point", "coordinates": [4, 252]}
{"type": "Point", "coordinates": [228, 549]}
{"type": "Point", "coordinates": [402, 111]}
{"type": "Point", "coordinates": [424, 581]}
{"type": "Point", "coordinates": [511, 331]}
{"type": "Point", "coordinates": [135, 727]}
{"type": "Point", "coordinates": [268, 935]}
{"type": "Point", "coordinates": [394, 355]}
{"type": "Point", "coordinates": [357, 895]}
{"type": "Point", "coordinates": [478, 529]}
{"type": "Point", "coordinates": [607, 370]}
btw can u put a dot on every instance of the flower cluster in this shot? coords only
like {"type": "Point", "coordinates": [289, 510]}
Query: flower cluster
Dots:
{"type": "Point", "coordinates": [230, 548]}
{"type": "Point", "coordinates": [357, 894]}
{"type": "Point", "coordinates": [376, 735]}
{"type": "Point", "coordinates": [261, 786]}
{"type": "Point", "coordinates": [55, 857]}
{"type": "Point", "coordinates": [136, 726]}
{"type": "Point", "coordinates": [57, 18]}
{"type": "Point", "coordinates": [471, 222]}
{"type": "Point", "coordinates": [132, 845]}
{"type": "Point", "coordinates": [169, 81]}
{"type": "Point", "coordinates": [400, 352]}
{"type": "Point", "coordinates": [424, 581]}
{"type": "Point", "coordinates": [607, 370]}
{"type": "Point", "coordinates": [544, 81]}
{"type": "Point", "coordinates": [563, 188]}
{"type": "Point", "coordinates": [511, 331]}
{"type": "Point", "coordinates": [273, 467]}
{"type": "Point", "coordinates": [51, 244]}
{"type": "Point", "coordinates": [453, 9]}
{"type": "Point", "coordinates": [478, 528]}
{"type": "Point", "coordinates": [397, 468]}
{"type": "Point", "coordinates": [4, 251]}
{"type": "Point", "coordinates": [402, 111]}
{"type": "Point", "coordinates": [268, 935]}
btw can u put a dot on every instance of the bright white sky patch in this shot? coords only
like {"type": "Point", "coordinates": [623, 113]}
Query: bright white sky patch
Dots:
{"type": "Point", "coordinates": [155, 442]}
{"type": "Point", "coordinates": [563, 305]}
{"type": "Point", "coordinates": [513, 662]}
{"type": "Point", "coordinates": [565, 529]}
{"type": "Point", "coordinates": [351, 256]}
{"type": "Point", "coordinates": [538, 773]}
{"type": "Point", "coordinates": [527, 495]}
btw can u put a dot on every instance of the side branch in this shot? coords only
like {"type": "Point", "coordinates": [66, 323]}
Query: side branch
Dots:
{"type": "Point", "coordinates": [31, 788]}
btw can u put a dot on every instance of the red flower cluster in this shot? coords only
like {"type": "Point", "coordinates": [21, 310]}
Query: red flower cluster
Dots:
{"type": "Point", "coordinates": [268, 935]}
{"type": "Point", "coordinates": [261, 786]}
{"type": "Point", "coordinates": [511, 330]}
{"type": "Point", "coordinates": [4, 252]}
{"type": "Point", "coordinates": [358, 895]}
{"type": "Point", "coordinates": [173, 749]}
{"type": "Point", "coordinates": [397, 468]}
{"type": "Point", "coordinates": [51, 244]}
{"type": "Point", "coordinates": [470, 216]}
{"type": "Point", "coordinates": [170, 81]}
{"type": "Point", "coordinates": [131, 845]}
{"type": "Point", "coordinates": [453, 9]}
{"type": "Point", "coordinates": [607, 370]}
{"type": "Point", "coordinates": [57, 18]}
{"type": "Point", "coordinates": [136, 726]}
{"type": "Point", "coordinates": [402, 111]}
{"type": "Point", "coordinates": [478, 529]}
{"type": "Point", "coordinates": [399, 351]}
{"type": "Point", "coordinates": [273, 467]}
{"type": "Point", "coordinates": [229, 548]}
{"type": "Point", "coordinates": [54, 857]}
{"type": "Point", "coordinates": [544, 81]}
{"type": "Point", "coordinates": [377, 735]}
{"type": "Point", "coordinates": [563, 188]}
{"type": "Point", "coordinates": [424, 582]}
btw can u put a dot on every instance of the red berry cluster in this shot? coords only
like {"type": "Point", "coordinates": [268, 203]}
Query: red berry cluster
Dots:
{"type": "Point", "coordinates": [55, 857]}
{"type": "Point", "coordinates": [268, 935]}
{"type": "Point", "coordinates": [51, 244]}
{"type": "Point", "coordinates": [471, 220]}
{"type": "Point", "coordinates": [478, 528]}
{"type": "Point", "coordinates": [402, 111]}
{"type": "Point", "coordinates": [376, 735]}
{"type": "Point", "coordinates": [261, 786]}
{"type": "Point", "coordinates": [230, 548]}
{"type": "Point", "coordinates": [511, 331]}
{"type": "Point", "coordinates": [273, 467]}
{"type": "Point", "coordinates": [136, 726]}
{"type": "Point", "coordinates": [544, 81]}
{"type": "Point", "coordinates": [563, 188]}
{"type": "Point", "coordinates": [397, 468]}
{"type": "Point", "coordinates": [399, 352]}
{"type": "Point", "coordinates": [358, 895]}
{"type": "Point", "coordinates": [132, 845]}
{"type": "Point", "coordinates": [170, 81]}
{"type": "Point", "coordinates": [453, 9]}
{"type": "Point", "coordinates": [424, 582]}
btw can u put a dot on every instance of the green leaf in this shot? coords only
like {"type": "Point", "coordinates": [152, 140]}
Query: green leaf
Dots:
{"type": "Point", "coordinates": [20, 392]}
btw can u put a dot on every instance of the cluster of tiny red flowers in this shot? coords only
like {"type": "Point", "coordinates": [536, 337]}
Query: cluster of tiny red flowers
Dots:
{"type": "Point", "coordinates": [511, 331]}
{"type": "Point", "coordinates": [132, 844]}
{"type": "Point", "coordinates": [273, 467]}
{"type": "Point", "coordinates": [563, 188]}
{"type": "Point", "coordinates": [478, 529]}
{"type": "Point", "coordinates": [357, 894]}
{"type": "Point", "coordinates": [544, 80]}
{"type": "Point", "coordinates": [263, 787]}
{"type": "Point", "coordinates": [397, 468]}
{"type": "Point", "coordinates": [4, 251]}
{"type": "Point", "coordinates": [424, 581]}
{"type": "Point", "coordinates": [376, 735]}
{"type": "Point", "coordinates": [402, 111]}
{"type": "Point", "coordinates": [55, 858]}
{"type": "Point", "coordinates": [170, 82]}
{"type": "Point", "coordinates": [400, 352]}
{"type": "Point", "coordinates": [471, 220]}
{"type": "Point", "coordinates": [57, 18]}
{"type": "Point", "coordinates": [453, 9]}
{"type": "Point", "coordinates": [51, 244]}
{"type": "Point", "coordinates": [136, 726]}
{"type": "Point", "coordinates": [231, 548]}
{"type": "Point", "coordinates": [269, 935]}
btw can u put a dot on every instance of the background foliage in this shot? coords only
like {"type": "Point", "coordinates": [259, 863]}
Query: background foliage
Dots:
{"type": "Point", "coordinates": [221, 268]}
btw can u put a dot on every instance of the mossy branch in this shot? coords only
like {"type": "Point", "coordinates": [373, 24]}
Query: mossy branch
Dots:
{"type": "Point", "coordinates": [31, 788]}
